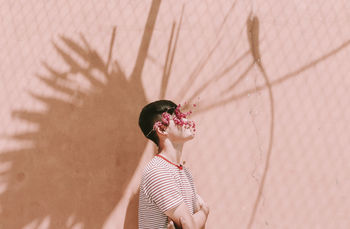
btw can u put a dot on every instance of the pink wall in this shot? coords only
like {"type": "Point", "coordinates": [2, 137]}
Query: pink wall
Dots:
{"type": "Point", "coordinates": [270, 79]}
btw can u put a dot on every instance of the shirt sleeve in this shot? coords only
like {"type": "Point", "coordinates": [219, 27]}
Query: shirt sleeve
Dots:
{"type": "Point", "coordinates": [161, 187]}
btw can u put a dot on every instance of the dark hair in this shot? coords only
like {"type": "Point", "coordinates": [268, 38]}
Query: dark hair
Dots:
{"type": "Point", "coordinates": [152, 113]}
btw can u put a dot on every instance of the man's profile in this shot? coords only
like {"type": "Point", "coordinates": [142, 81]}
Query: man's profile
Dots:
{"type": "Point", "coordinates": [167, 191]}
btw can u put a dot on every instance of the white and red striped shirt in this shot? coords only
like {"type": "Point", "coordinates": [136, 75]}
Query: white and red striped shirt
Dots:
{"type": "Point", "coordinates": [163, 186]}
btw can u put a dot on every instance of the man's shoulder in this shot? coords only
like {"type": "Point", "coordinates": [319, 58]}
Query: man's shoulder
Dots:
{"type": "Point", "coordinates": [155, 166]}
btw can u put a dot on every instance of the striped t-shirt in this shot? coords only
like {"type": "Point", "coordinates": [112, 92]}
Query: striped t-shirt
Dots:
{"type": "Point", "coordinates": [163, 186]}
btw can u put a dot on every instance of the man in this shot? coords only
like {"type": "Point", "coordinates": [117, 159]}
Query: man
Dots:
{"type": "Point", "coordinates": [167, 191]}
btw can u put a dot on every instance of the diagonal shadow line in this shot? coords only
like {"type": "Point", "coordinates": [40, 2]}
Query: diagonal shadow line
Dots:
{"type": "Point", "coordinates": [59, 75]}
{"type": "Point", "coordinates": [30, 116]}
{"type": "Point", "coordinates": [110, 52]}
{"type": "Point", "coordinates": [75, 67]}
{"type": "Point", "coordinates": [275, 82]}
{"type": "Point", "coordinates": [87, 54]}
{"type": "Point", "coordinates": [227, 59]}
{"type": "Point", "coordinates": [311, 64]}
{"type": "Point", "coordinates": [164, 79]}
{"type": "Point", "coordinates": [169, 67]}
{"type": "Point", "coordinates": [86, 43]}
{"type": "Point", "coordinates": [82, 52]}
{"type": "Point", "coordinates": [202, 63]}
{"type": "Point", "coordinates": [240, 78]}
{"type": "Point", "coordinates": [145, 41]}
{"type": "Point", "coordinates": [155, 62]}
{"type": "Point", "coordinates": [217, 77]}
{"type": "Point", "coordinates": [54, 85]}
{"type": "Point", "coordinates": [94, 59]}
{"type": "Point", "coordinates": [226, 16]}
{"type": "Point", "coordinates": [53, 100]}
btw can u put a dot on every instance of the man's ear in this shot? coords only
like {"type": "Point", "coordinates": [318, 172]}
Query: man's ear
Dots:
{"type": "Point", "coordinates": [161, 132]}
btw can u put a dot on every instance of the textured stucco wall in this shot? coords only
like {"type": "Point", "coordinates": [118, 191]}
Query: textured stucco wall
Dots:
{"type": "Point", "coordinates": [270, 78]}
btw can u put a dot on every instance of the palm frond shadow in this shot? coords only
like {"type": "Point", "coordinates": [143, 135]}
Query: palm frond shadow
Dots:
{"type": "Point", "coordinates": [86, 147]}
{"type": "Point", "coordinates": [75, 171]}
{"type": "Point", "coordinates": [83, 153]}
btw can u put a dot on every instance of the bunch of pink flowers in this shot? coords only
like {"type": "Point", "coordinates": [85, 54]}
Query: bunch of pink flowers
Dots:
{"type": "Point", "coordinates": [179, 118]}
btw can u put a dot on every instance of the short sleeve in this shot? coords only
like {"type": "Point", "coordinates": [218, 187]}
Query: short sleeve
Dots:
{"type": "Point", "coordinates": [160, 186]}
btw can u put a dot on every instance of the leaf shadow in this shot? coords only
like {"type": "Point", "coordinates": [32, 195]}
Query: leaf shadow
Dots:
{"type": "Point", "coordinates": [83, 153]}
{"type": "Point", "coordinates": [87, 145]}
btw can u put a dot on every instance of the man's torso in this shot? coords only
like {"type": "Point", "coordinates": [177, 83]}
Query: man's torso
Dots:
{"type": "Point", "coordinates": [164, 186]}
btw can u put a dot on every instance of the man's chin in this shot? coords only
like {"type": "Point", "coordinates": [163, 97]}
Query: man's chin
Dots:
{"type": "Point", "coordinates": [191, 136]}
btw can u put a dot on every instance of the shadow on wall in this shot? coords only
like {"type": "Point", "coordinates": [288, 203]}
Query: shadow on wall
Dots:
{"type": "Point", "coordinates": [86, 148]}
{"type": "Point", "coordinates": [84, 152]}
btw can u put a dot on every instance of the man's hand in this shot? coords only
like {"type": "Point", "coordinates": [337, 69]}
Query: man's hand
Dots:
{"type": "Point", "coordinates": [184, 225]}
{"type": "Point", "coordinates": [180, 217]}
{"type": "Point", "coordinates": [203, 206]}
{"type": "Point", "coordinates": [171, 224]}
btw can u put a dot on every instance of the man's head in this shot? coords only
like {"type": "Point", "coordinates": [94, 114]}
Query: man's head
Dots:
{"type": "Point", "coordinates": [164, 118]}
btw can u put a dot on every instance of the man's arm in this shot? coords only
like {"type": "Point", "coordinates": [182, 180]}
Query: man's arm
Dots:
{"type": "Point", "coordinates": [160, 186]}
{"type": "Point", "coordinates": [181, 216]}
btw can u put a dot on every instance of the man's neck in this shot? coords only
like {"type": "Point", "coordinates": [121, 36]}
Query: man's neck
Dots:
{"type": "Point", "coordinates": [171, 151]}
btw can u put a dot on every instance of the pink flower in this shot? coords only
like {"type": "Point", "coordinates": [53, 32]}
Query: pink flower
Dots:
{"type": "Point", "coordinates": [178, 119]}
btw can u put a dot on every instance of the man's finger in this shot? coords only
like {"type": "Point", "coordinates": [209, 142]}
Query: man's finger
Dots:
{"type": "Point", "coordinates": [170, 224]}
{"type": "Point", "coordinates": [200, 200]}
{"type": "Point", "coordinates": [183, 222]}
